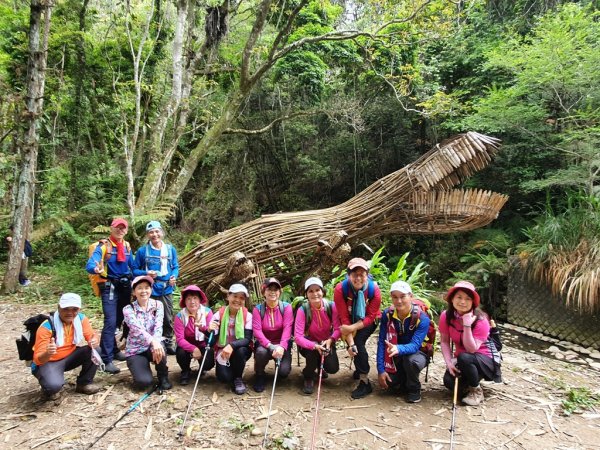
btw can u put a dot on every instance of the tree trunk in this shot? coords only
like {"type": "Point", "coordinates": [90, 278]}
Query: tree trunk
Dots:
{"type": "Point", "coordinates": [158, 159]}
{"type": "Point", "coordinates": [39, 29]}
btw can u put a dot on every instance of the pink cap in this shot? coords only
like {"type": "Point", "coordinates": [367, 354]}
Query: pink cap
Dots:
{"type": "Point", "coordinates": [465, 286]}
{"type": "Point", "coordinates": [141, 278]}
{"type": "Point", "coordinates": [358, 262]}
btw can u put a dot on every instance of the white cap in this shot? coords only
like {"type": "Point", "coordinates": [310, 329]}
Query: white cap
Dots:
{"type": "Point", "coordinates": [237, 288]}
{"type": "Point", "coordinates": [312, 280]}
{"type": "Point", "coordinates": [70, 300]}
{"type": "Point", "coordinates": [401, 286]}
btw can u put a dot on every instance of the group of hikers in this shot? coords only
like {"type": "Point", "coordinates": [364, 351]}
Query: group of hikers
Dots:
{"type": "Point", "coordinates": [137, 291]}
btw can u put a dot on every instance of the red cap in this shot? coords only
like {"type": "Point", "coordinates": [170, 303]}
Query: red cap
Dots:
{"type": "Point", "coordinates": [268, 282]}
{"type": "Point", "coordinates": [141, 278]}
{"type": "Point", "coordinates": [188, 290]}
{"type": "Point", "coordinates": [358, 262]}
{"type": "Point", "coordinates": [119, 221]}
{"type": "Point", "coordinates": [465, 286]}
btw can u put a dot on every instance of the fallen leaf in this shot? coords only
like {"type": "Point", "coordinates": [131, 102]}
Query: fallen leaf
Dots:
{"type": "Point", "coordinates": [148, 432]}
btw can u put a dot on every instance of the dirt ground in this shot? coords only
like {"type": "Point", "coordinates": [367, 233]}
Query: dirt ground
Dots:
{"type": "Point", "coordinates": [524, 412]}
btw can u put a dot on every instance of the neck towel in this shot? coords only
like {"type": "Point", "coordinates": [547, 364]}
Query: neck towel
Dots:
{"type": "Point", "coordinates": [239, 326]}
{"type": "Point", "coordinates": [60, 330]}
{"type": "Point", "coordinates": [121, 257]}
{"type": "Point", "coordinates": [164, 258]}
{"type": "Point", "coordinates": [360, 305]}
{"type": "Point", "coordinates": [200, 320]}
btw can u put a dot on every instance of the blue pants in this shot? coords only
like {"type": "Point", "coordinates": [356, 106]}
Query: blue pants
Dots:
{"type": "Point", "coordinates": [115, 297]}
{"type": "Point", "coordinates": [52, 374]}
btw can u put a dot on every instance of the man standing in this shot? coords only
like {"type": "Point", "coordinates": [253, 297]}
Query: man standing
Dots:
{"type": "Point", "coordinates": [113, 260]}
{"type": "Point", "coordinates": [56, 351]}
{"type": "Point", "coordinates": [159, 260]}
{"type": "Point", "coordinates": [403, 329]}
{"type": "Point", "coordinates": [357, 300]}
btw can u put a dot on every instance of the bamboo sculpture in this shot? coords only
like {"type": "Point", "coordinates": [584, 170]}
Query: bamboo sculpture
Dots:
{"type": "Point", "coordinates": [416, 199]}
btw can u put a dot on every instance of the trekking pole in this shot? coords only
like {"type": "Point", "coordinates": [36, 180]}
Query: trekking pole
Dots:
{"type": "Point", "coordinates": [314, 431]}
{"type": "Point", "coordinates": [454, 399]}
{"type": "Point", "coordinates": [131, 408]}
{"type": "Point", "coordinates": [180, 434]}
{"type": "Point", "coordinates": [277, 363]}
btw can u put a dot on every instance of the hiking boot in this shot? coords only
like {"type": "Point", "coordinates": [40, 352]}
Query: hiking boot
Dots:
{"type": "Point", "coordinates": [362, 390]}
{"type": "Point", "coordinates": [184, 379]}
{"type": "Point", "coordinates": [163, 383]}
{"type": "Point", "coordinates": [239, 387]}
{"type": "Point", "coordinates": [474, 396]}
{"type": "Point", "coordinates": [120, 356]}
{"type": "Point", "coordinates": [309, 386]}
{"type": "Point", "coordinates": [47, 396]}
{"type": "Point", "coordinates": [111, 368]}
{"type": "Point", "coordinates": [259, 383]}
{"type": "Point", "coordinates": [87, 389]}
{"type": "Point", "coordinates": [413, 397]}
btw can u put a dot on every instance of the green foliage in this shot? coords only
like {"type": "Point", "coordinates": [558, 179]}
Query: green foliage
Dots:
{"type": "Point", "coordinates": [578, 399]}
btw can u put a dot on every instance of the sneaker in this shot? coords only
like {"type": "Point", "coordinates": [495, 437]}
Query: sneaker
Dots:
{"type": "Point", "coordinates": [25, 283]}
{"type": "Point", "coordinates": [259, 383]}
{"type": "Point", "coordinates": [309, 386]}
{"type": "Point", "coordinates": [87, 389]}
{"type": "Point", "coordinates": [111, 368]}
{"type": "Point", "coordinates": [413, 397]}
{"type": "Point", "coordinates": [362, 390]}
{"type": "Point", "coordinates": [474, 396]}
{"type": "Point", "coordinates": [184, 379]}
{"type": "Point", "coordinates": [120, 356]}
{"type": "Point", "coordinates": [239, 387]}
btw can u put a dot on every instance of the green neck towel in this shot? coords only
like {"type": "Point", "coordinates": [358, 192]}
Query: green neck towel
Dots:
{"type": "Point", "coordinates": [239, 326]}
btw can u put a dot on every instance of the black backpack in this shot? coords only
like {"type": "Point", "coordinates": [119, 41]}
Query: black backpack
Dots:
{"type": "Point", "coordinates": [27, 340]}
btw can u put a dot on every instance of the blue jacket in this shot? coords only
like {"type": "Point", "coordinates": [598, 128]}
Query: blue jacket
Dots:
{"type": "Point", "coordinates": [148, 258]}
{"type": "Point", "coordinates": [409, 342]}
{"type": "Point", "coordinates": [112, 268]}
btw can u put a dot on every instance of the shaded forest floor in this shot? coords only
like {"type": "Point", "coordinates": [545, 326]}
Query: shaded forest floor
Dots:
{"type": "Point", "coordinates": [524, 412]}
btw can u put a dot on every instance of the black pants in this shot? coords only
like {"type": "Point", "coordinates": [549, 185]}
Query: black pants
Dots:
{"type": "Point", "coordinates": [167, 301]}
{"type": "Point", "coordinates": [184, 359]}
{"type": "Point", "coordinates": [408, 369]}
{"type": "Point", "coordinates": [52, 374]}
{"type": "Point", "coordinates": [237, 364]}
{"type": "Point", "coordinates": [115, 297]}
{"type": "Point", "coordinates": [473, 368]}
{"type": "Point", "coordinates": [361, 361]}
{"type": "Point", "coordinates": [331, 363]}
{"type": "Point", "coordinates": [263, 355]}
{"type": "Point", "coordinates": [139, 366]}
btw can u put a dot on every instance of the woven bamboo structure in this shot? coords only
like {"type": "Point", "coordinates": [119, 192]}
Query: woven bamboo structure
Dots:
{"type": "Point", "coordinates": [416, 199]}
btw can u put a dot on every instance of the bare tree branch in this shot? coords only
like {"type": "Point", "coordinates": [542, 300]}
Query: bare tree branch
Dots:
{"type": "Point", "coordinates": [272, 124]}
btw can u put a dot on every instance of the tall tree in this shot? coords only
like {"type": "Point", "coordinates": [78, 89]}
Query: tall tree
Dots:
{"type": "Point", "coordinates": [39, 30]}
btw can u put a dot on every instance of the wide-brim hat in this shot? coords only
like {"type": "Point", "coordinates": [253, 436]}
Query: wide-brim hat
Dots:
{"type": "Point", "coordinates": [465, 286]}
{"type": "Point", "coordinates": [138, 280]}
{"type": "Point", "coordinates": [188, 290]}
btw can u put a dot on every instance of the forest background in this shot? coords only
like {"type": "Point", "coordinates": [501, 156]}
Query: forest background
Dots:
{"type": "Point", "coordinates": [207, 114]}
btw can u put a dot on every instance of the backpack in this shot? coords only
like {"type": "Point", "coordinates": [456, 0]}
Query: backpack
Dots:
{"type": "Point", "coordinates": [27, 340]}
{"type": "Point", "coordinates": [308, 314]}
{"type": "Point", "coordinates": [97, 279]}
{"type": "Point", "coordinates": [262, 309]}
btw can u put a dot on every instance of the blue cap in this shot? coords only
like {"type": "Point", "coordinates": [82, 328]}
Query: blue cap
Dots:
{"type": "Point", "coordinates": [153, 225]}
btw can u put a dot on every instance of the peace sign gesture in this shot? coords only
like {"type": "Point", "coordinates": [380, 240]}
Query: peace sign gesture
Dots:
{"type": "Point", "coordinates": [392, 349]}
